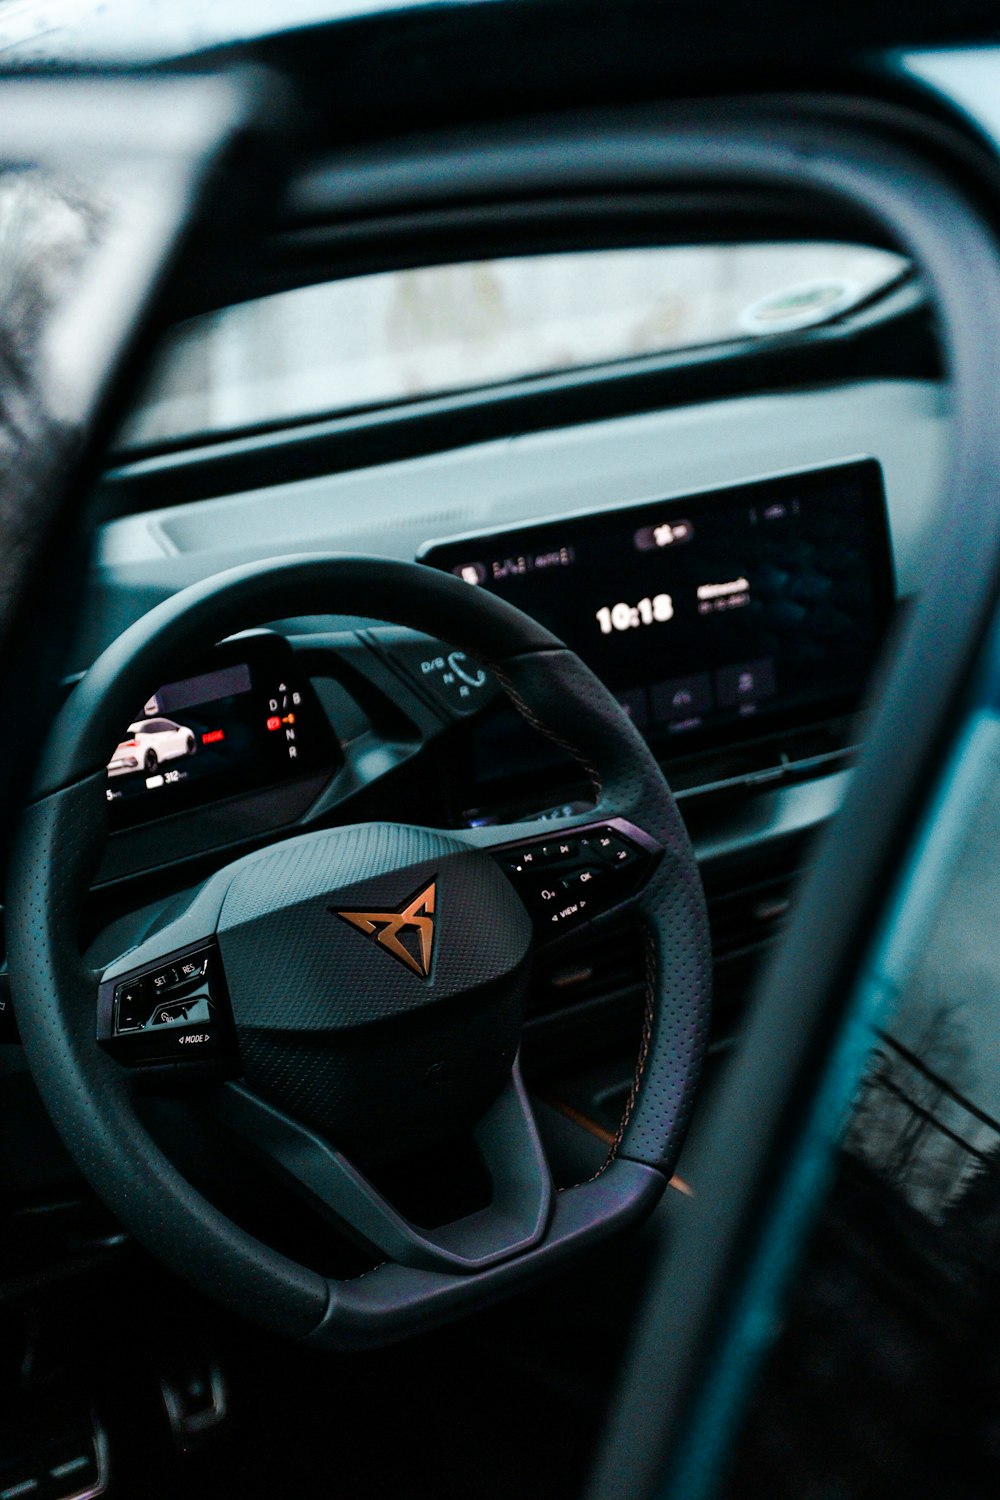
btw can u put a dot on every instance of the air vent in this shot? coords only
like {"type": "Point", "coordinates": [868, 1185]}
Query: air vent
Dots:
{"type": "Point", "coordinates": [794, 755]}
{"type": "Point", "coordinates": [747, 910]}
{"type": "Point", "coordinates": [749, 918]}
{"type": "Point", "coordinates": [609, 968]}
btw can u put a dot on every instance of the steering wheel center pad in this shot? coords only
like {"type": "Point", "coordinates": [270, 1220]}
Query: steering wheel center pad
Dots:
{"type": "Point", "coordinates": [377, 975]}
{"type": "Point", "coordinates": [295, 960]}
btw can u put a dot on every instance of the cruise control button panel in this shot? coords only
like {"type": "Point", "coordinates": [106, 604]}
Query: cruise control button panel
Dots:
{"type": "Point", "coordinates": [174, 1012]}
{"type": "Point", "coordinates": [566, 882]}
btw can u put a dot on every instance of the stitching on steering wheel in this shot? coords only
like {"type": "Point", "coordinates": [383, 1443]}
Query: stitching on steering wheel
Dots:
{"type": "Point", "coordinates": [650, 952]}
{"type": "Point", "coordinates": [536, 723]}
{"type": "Point", "coordinates": [644, 1046]}
{"type": "Point", "coordinates": [640, 1066]}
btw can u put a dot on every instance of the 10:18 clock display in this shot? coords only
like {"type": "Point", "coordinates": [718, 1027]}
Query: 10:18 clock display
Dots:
{"type": "Point", "coordinates": [655, 611]}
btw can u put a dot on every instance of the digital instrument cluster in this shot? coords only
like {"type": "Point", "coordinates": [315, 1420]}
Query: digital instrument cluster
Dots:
{"type": "Point", "coordinates": [246, 720]}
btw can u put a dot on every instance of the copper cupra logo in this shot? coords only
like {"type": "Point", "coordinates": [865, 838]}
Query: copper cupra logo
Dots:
{"type": "Point", "coordinates": [414, 920]}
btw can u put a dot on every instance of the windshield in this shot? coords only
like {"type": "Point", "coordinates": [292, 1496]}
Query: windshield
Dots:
{"type": "Point", "coordinates": [404, 335]}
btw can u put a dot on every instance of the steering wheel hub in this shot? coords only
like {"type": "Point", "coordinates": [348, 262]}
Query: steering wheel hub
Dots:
{"type": "Point", "coordinates": [377, 975]}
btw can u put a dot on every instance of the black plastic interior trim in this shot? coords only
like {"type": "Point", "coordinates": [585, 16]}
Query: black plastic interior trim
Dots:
{"type": "Point", "coordinates": [451, 64]}
{"type": "Point", "coordinates": [512, 1154]}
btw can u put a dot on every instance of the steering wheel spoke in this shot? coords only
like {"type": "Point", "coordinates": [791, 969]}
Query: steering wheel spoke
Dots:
{"type": "Point", "coordinates": [511, 1150]}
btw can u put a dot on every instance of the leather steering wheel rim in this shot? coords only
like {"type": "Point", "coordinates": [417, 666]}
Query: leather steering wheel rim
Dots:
{"type": "Point", "coordinates": [89, 1095]}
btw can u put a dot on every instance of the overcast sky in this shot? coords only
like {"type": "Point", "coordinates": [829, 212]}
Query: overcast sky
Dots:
{"type": "Point", "coordinates": [107, 30]}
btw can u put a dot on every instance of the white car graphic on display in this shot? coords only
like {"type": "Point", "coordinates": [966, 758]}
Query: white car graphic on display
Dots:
{"type": "Point", "coordinates": [151, 741]}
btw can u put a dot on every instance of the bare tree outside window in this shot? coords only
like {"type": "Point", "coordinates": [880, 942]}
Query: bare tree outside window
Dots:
{"type": "Point", "coordinates": [913, 1122]}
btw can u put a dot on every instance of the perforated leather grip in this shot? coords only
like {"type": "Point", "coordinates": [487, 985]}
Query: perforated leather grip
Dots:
{"type": "Point", "coordinates": [629, 783]}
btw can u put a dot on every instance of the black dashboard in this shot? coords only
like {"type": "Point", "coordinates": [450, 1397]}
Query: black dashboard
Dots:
{"type": "Point", "coordinates": [747, 685]}
{"type": "Point", "coordinates": [394, 725]}
{"type": "Point", "coordinates": [735, 625]}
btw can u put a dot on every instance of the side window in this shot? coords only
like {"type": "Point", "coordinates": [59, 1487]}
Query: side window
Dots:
{"type": "Point", "coordinates": [884, 1376]}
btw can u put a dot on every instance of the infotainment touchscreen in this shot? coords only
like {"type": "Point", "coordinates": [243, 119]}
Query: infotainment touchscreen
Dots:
{"type": "Point", "coordinates": [246, 720]}
{"type": "Point", "coordinates": [715, 613]}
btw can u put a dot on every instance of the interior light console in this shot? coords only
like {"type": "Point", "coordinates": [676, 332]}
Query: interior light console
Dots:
{"type": "Point", "coordinates": [716, 616]}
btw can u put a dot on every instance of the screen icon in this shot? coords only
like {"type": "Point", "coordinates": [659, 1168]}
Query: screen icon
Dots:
{"type": "Point", "coordinates": [471, 572]}
{"type": "Point", "coordinates": [682, 698]}
{"type": "Point", "coordinates": [663, 534]}
{"type": "Point", "coordinates": [746, 682]}
{"type": "Point", "coordinates": [635, 704]}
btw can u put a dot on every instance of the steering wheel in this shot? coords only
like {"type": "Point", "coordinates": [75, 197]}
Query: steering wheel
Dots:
{"type": "Point", "coordinates": [356, 991]}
